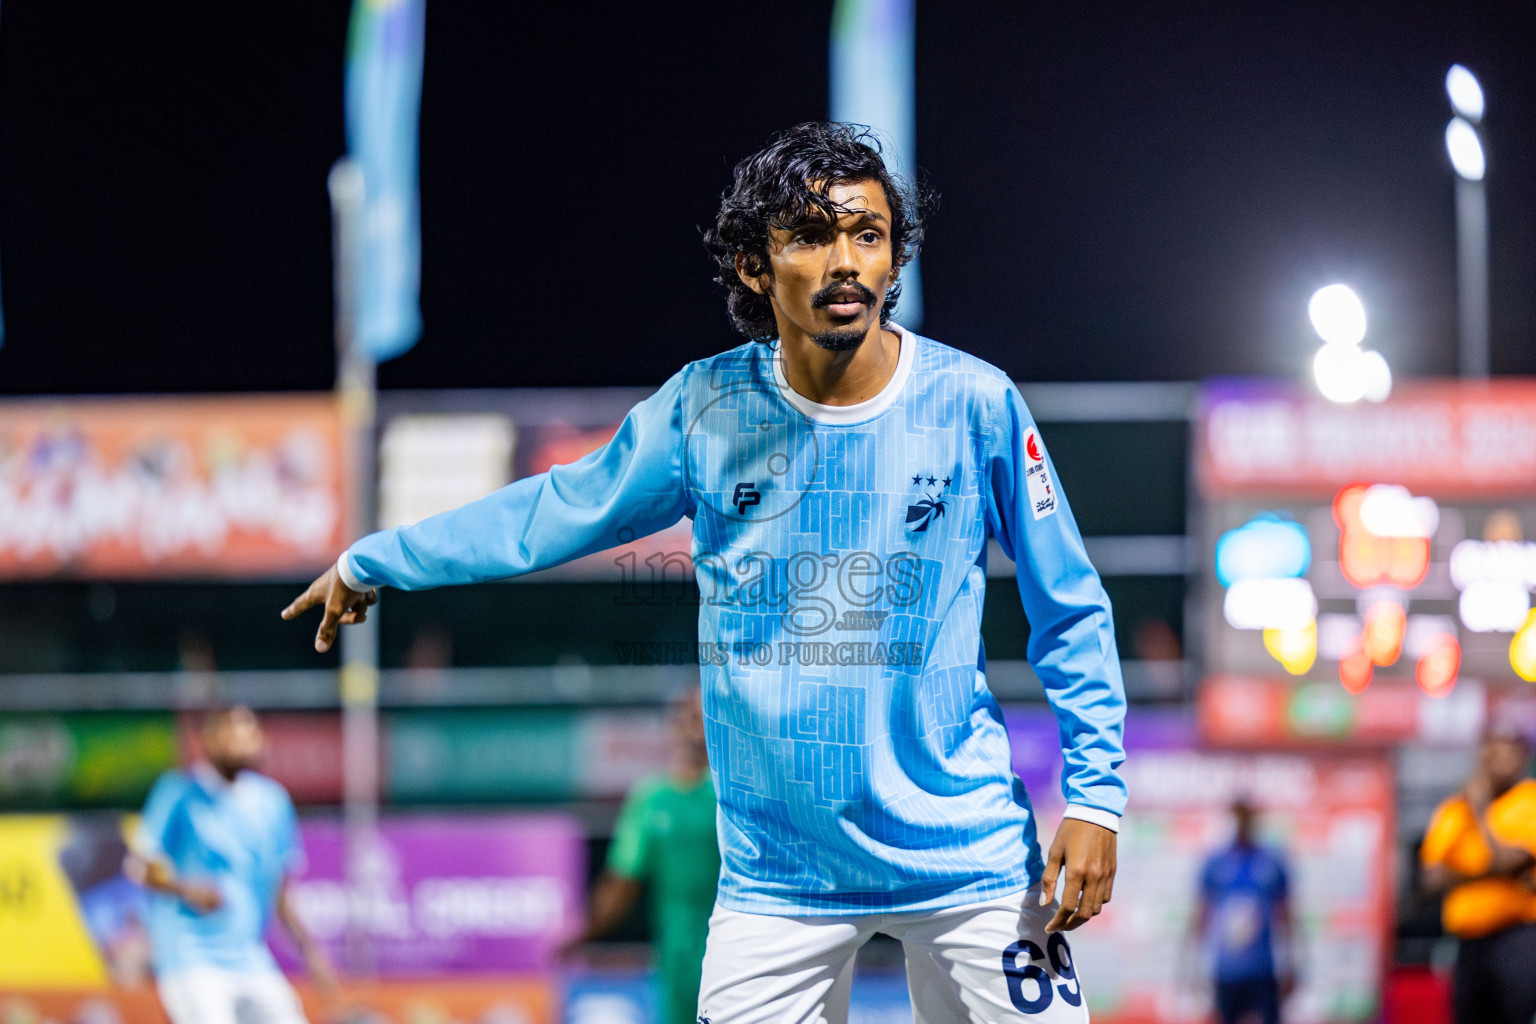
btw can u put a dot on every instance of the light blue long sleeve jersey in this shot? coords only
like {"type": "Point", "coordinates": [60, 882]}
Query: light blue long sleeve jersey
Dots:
{"type": "Point", "coordinates": [241, 837]}
{"type": "Point", "coordinates": [861, 762]}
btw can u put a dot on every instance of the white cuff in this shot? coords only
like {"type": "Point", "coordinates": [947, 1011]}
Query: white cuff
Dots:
{"type": "Point", "coordinates": [344, 570]}
{"type": "Point", "coordinates": [1093, 816]}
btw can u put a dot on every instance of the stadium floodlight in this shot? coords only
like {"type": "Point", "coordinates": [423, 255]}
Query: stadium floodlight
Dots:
{"type": "Point", "coordinates": [1466, 94]}
{"type": "Point", "coordinates": [1377, 377]}
{"type": "Point", "coordinates": [1340, 373]}
{"type": "Point", "coordinates": [1465, 146]}
{"type": "Point", "coordinates": [1466, 149]}
{"type": "Point", "coordinates": [1337, 315]}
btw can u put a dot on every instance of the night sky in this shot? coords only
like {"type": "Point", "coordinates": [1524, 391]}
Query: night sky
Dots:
{"type": "Point", "coordinates": [1127, 193]}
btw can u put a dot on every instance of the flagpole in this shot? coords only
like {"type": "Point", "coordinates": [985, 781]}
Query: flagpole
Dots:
{"type": "Point", "coordinates": [359, 679]}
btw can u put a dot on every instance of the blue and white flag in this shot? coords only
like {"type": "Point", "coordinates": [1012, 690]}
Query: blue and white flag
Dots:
{"type": "Point", "coordinates": [384, 60]}
{"type": "Point", "coordinates": [872, 84]}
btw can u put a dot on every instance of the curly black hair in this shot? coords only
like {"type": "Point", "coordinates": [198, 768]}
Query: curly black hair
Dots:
{"type": "Point", "coordinates": [780, 186]}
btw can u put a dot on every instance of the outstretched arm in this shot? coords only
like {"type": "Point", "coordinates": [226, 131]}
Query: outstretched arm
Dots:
{"type": "Point", "coordinates": [1072, 648]}
{"type": "Point", "coordinates": [631, 487]}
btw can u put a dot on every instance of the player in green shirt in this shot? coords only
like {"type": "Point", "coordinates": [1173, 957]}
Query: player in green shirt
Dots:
{"type": "Point", "coordinates": [665, 838]}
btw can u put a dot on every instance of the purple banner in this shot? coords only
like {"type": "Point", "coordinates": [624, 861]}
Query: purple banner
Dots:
{"type": "Point", "coordinates": [440, 893]}
{"type": "Point", "coordinates": [1036, 744]}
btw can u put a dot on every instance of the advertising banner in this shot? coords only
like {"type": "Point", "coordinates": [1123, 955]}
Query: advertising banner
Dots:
{"type": "Point", "coordinates": [1267, 712]}
{"type": "Point", "coordinates": [140, 488]}
{"type": "Point", "coordinates": [1389, 544]}
{"type": "Point", "coordinates": [498, 754]}
{"type": "Point", "coordinates": [430, 755]}
{"type": "Point", "coordinates": [445, 893]}
{"type": "Point", "coordinates": [107, 758]}
{"type": "Point", "coordinates": [1447, 438]}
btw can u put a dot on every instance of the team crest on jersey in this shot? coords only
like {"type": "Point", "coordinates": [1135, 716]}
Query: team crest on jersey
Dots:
{"type": "Point", "coordinates": [932, 505]}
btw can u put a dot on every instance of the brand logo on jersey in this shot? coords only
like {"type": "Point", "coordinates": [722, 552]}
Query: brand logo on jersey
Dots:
{"type": "Point", "coordinates": [745, 497]}
{"type": "Point", "coordinates": [702, 1019]}
{"type": "Point", "coordinates": [931, 506]}
{"type": "Point", "coordinates": [1032, 446]}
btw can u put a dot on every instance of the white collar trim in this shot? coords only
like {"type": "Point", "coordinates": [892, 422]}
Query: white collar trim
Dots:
{"type": "Point", "coordinates": [865, 410]}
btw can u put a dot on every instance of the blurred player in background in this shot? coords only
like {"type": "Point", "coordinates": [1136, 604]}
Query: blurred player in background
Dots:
{"type": "Point", "coordinates": [1244, 900]}
{"type": "Point", "coordinates": [215, 845]}
{"type": "Point", "coordinates": [844, 477]}
{"type": "Point", "coordinates": [1478, 853]}
{"type": "Point", "coordinates": [665, 839]}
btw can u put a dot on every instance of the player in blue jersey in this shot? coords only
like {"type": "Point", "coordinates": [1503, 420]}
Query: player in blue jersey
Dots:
{"type": "Point", "coordinates": [216, 844]}
{"type": "Point", "coordinates": [843, 477]}
{"type": "Point", "coordinates": [1245, 900]}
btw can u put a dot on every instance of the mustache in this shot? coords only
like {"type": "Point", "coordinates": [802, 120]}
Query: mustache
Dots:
{"type": "Point", "coordinates": [824, 298]}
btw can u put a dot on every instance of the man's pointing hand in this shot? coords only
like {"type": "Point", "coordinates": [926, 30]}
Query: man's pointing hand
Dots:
{"type": "Point", "coordinates": [342, 604]}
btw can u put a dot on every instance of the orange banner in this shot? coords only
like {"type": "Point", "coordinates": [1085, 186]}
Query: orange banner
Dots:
{"type": "Point", "coordinates": [136, 488]}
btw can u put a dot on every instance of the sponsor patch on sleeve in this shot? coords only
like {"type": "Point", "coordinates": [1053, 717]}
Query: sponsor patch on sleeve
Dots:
{"type": "Point", "coordinates": [1042, 493]}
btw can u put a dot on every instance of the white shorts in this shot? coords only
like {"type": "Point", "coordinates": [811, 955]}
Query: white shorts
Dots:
{"type": "Point", "coordinates": [213, 995]}
{"type": "Point", "coordinates": [984, 963]}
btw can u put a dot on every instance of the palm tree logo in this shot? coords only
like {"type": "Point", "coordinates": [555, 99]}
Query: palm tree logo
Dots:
{"type": "Point", "coordinates": [931, 507]}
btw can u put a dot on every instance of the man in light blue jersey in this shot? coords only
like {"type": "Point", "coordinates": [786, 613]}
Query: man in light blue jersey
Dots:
{"type": "Point", "coordinates": [216, 844]}
{"type": "Point", "coordinates": [843, 477]}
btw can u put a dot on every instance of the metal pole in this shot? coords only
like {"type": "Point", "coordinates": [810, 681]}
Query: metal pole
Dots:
{"type": "Point", "coordinates": [1472, 278]}
{"type": "Point", "coordinates": [359, 680]}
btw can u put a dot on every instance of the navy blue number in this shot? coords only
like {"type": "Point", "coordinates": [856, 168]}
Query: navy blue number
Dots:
{"type": "Point", "coordinates": [1017, 975]}
{"type": "Point", "coordinates": [1061, 963]}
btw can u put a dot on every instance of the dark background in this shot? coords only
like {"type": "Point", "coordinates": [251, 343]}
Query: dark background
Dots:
{"type": "Point", "coordinates": [1126, 194]}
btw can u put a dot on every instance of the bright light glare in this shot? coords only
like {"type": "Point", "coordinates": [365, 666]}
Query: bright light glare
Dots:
{"type": "Point", "coordinates": [1340, 373]}
{"type": "Point", "coordinates": [1495, 606]}
{"type": "Point", "coordinates": [1337, 315]}
{"type": "Point", "coordinates": [1466, 95]}
{"type": "Point", "coordinates": [1382, 641]}
{"type": "Point", "coordinates": [1522, 650]}
{"type": "Point", "coordinates": [1388, 510]}
{"type": "Point", "coordinates": [1262, 547]}
{"type": "Point", "coordinates": [1378, 376]}
{"type": "Point", "coordinates": [1270, 604]}
{"type": "Point", "coordinates": [1437, 668]}
{"type": "Point", "coordinates": [1476, 560]}
{"type": "Point", "coordinates": [1295, 649]}
{"type": "Point", "coordinates": [1466, 150]}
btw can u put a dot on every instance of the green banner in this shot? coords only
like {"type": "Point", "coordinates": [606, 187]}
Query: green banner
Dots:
{"type": "Point", "coordinates": [106, 759]}
{"type": "Point", "coordinates": [448, 756]}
